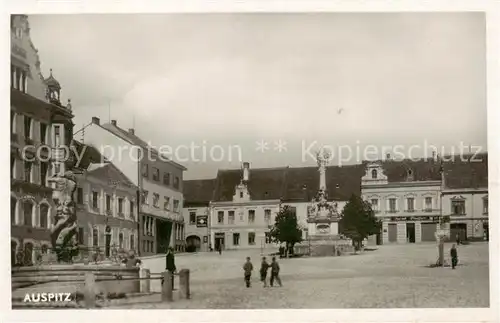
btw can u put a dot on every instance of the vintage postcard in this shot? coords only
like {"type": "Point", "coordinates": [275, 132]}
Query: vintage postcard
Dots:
{"type": "Point", "coordinates": [334, 160]}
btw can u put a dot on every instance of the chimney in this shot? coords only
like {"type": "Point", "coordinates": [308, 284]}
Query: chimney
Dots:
{"type": "Point", "coordinates": [95, 120]}
{"type": "Point", "coordinates": [246, 171]}
{"type": "Point", "coordinates": [131, 131]}
{"type": "Point", "coordinates": [113, 122]}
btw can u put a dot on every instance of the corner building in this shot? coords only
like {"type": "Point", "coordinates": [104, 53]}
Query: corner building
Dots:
{"type": "Point", "coordinates": [37, 119]}
{"type": "Point", "coordinates": [159, 182]}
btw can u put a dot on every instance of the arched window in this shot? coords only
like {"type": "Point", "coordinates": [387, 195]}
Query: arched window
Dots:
{"type": "Point", "coordinates": [44, 215]}
{"type": "Point", "coordinates": [13, 213]}
{"type": "Point", "coordinates": [28, 213]}
{"type": "Point", "coordinates": [374, 174]}
{"type": "Point", "coordinates": [120, 240]}
{"type": "Point", "coordinates": [95, 237]}
{"type": "Point", "coordinates": [44, 249]}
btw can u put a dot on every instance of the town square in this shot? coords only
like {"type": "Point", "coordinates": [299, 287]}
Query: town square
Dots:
{"type": "Point", "coordinates": [249, 161]}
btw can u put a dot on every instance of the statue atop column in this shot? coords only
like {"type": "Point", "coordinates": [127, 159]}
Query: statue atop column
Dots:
{"type": "Point", "coordinates": [64, 229]}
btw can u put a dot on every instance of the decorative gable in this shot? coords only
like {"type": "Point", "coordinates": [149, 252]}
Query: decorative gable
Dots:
{"type": "Point", "coordinates": [374, 174]}
{"type": "Point", "coordinates": [241, 193]}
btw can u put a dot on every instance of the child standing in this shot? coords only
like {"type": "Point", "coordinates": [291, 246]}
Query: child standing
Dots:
{"type": "Point", "coordinates": [263, 271]}
{"type": "Point", "coordinates": [247, 269]}
{"type": "Point", "coordinates": [275, 271]}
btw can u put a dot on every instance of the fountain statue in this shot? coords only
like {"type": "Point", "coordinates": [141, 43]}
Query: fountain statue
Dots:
{"type": "Point", "coordinates": [64, 230]}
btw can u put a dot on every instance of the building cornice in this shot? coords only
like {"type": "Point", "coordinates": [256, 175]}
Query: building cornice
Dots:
{"type": "Point", "coordinates": [246, 203]}
{"type": "Point", "coordinates": [403, 184]}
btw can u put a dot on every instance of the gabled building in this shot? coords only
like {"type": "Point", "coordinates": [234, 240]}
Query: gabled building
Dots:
{"type": "Point", "coordinates": [405, 195]}
{"type": "Point", "coordinates": [159, 182]}
{"type": "Point", "coordinates": [39, 125]}
{"type": "Point", "coordinates": [196, 212]}
{"type": "Point", "coordinates": [106, 206]}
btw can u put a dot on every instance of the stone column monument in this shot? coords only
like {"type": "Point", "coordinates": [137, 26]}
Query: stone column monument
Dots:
{"type": "Point", "coordinates": [323, 217]}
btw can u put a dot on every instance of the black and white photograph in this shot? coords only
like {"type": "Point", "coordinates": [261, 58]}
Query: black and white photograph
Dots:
{"type": "Point", "coordinates": [251, 160]}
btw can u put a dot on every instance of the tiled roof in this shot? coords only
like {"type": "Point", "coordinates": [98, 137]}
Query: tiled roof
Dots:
{"type": "Point", "coordinates": [198, 192]}
{"type": "Point", "coordinates": [263, 184]}
{"type": "Point", "coordinates": [290, 184]}
{"type": "Point", "coordinates": [461, 173]}
{"type": "Point", "coordinates": [112, 174]}
{"type": "Point", "coordinates": [422, 170]}
{"type": "Point", "coordinates": [91, 155]}
{"type": "Point", "coordinates": [134, 140]}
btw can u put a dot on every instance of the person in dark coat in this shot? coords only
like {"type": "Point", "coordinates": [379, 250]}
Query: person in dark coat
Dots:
{"type": "Point", "coordinates": [275, 272]}
{"type": "Point", "coordinates": [264, 266]}
{"type": "Point", "coordinates": [170, 264]}
{"type": "Point", "coordinates": [247, 270]}
{"type": "Point", "coordinates": [458, 239]}
{"type": "Point", "coordinates": [454, 257]}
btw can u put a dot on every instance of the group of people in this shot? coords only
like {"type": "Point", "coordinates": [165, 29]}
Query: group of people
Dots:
{"type": "Point", "coordinates": [264, 267]}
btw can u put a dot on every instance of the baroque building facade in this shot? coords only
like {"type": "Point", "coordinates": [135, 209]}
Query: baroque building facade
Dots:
{"type": "Point", "coordinates": [39, 125]}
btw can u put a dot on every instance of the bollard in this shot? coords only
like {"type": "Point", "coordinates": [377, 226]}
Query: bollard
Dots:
{"type": "Point", "coordinates": [146, 283]}
{"type": "Point", "coordinates": [167, 294]}
{"type": "Point", "coordinates": [184, 284]}
{"type": "Point", "coordinates": [89, 294]}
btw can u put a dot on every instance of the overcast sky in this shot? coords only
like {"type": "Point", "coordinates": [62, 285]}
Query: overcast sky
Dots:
{"type": "Point", "coordinates": [307, 79]}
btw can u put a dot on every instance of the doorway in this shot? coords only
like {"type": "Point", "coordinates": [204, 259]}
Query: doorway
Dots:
{"type": "Point", "coordinates": [458, 229]}
{"type": "Point", "coordinates": [219, 241]}
{"type": "Point", "coordinates": [163, 235]}
{"type": "Point", "coordinates": [410, 232]}
{"type": "Point", "coordinates": [393, 232]}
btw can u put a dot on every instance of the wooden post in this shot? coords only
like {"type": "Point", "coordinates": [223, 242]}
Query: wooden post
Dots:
{"type": "Point", "coordinates": [184, 284]}
{"type": "Point", "coordinates": [145, 283]}
{"type": "Point", "coordinates": [167, 294]}
{"type": "Point", "coordinates": [89, 290]}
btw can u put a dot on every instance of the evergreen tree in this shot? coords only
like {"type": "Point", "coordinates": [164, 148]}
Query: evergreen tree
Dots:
{"type": "Point", "coordinates": [358, 221]}
{"type": "Point", "coordinates": [286, 229]}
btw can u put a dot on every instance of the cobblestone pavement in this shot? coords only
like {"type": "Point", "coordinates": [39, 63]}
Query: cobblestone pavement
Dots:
{"type": "Point", "coordinates": [392, 276]}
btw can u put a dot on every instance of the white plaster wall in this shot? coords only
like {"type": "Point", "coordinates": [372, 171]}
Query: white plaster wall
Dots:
{"type": "Point", "coordinates": [122, 154]}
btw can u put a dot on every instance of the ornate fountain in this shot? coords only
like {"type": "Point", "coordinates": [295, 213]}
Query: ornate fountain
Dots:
{"type": "Point", "coordinates": [64, 231]}
{"type": "Point", "coordinates": [323, 217]}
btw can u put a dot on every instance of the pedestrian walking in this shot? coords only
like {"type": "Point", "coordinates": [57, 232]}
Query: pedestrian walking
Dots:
{"type": "Point", "coordinates": [247, 270]}
{"type": "Point", "coordinates": [264, 266]}
{"type": "Point", "coordinates": [170, 264]}
{"type": "Point", "coordinates": [458, 239]}
{"type": "Point", "coordinates": [275, 272]}
{"type": "Point", "coordinates": [220, 249]}
{"type": "Point", "coordinates": [454, 257]}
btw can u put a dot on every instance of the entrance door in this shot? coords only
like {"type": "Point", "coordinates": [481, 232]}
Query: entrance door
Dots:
{"type": "Point", "coordinates": [163, 234]}
{"type": "Point", "coordinates": [393, 232]}
{"type": "Point", "coordinates": [379, 239]}
{"type": "Point", "coordinates": [219, 241]}
{"type": "Point", "coordinates": [410, 232]}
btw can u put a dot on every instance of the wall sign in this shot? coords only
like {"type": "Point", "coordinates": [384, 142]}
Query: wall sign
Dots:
{"type": "Point", "coordinates": [202, 221]}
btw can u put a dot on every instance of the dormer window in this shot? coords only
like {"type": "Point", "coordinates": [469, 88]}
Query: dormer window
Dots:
{"type": "Point", "coordinates": [374, 174]}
